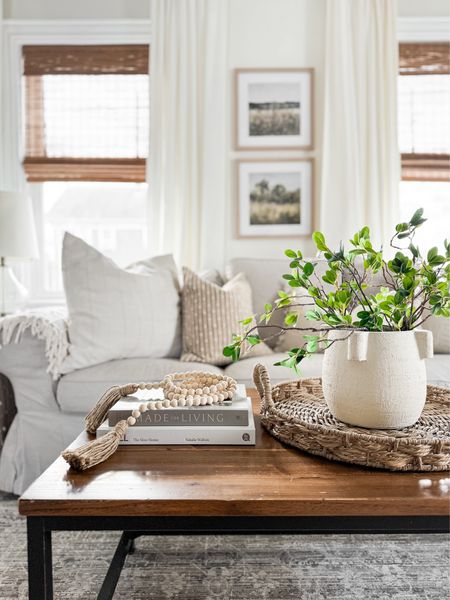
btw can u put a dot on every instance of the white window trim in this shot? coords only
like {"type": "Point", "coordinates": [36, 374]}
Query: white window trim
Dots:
{"type": "Point", "coordinates": [17, 33]}
{"type": "Point", "coordinates": [423, 29]}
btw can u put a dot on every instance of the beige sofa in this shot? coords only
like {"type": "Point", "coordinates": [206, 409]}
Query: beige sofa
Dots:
{"type": "Point", "coordinates": [50, 413]}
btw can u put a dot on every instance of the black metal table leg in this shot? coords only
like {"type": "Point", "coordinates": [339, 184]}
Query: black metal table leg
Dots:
{"type": "Point", "coordinates": [40, 578]}
{"type": "Point", "coordinates": [124, 547]}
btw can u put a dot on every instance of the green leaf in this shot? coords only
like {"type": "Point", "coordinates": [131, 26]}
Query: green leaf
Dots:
{"type": "Point", "coordinates": [364, 233]}
{"type": "Point", "coordinates": [434, 299]}
{"type": "Point", "coordinates": [253, 340]}
{"type": "Point", "coordinates": [246, 321]}
{"type": "Point", "coordinates": [416, 218]}
{"type": "Point", "coordinates": [408, 282]}
{"type": "Point", "coordinates": [228, 351]}
{"type": "Point", "coordinates": [437, 260]}
{"type": "Point", "coordinates": [386, 306]}
{"type": "Point", "coordinates": [285, 301]}
{"type": "Point", "coordinates": [313, 315]}
{"type": "Point", "coordinates": [363, 314]}
{"type": "Point", "coordinates": [330, 276]}
{"type": "Point", "coordinates": [291, 318]}
{"type": "Point", "coordinates": [319, 240]}
{"type": "Point", "coordinates": [414, 250]}
{"type": "Point", "coordinates": [432, 252]}
{"type": "Point", "coordinates": [290, 253]}
{"type": "Point", "coordinates": [267, 307]}
{"type": "Point", "coordinates": [312, 347]}
{"type": "Point", "coordinates": [308, 269]}
{"type": "Point", "coordinates": [343, 296]}
{"type": "Point", "coordinates": [400, 295]}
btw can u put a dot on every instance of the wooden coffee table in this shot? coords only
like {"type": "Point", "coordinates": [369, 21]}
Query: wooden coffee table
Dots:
{"type": "Point", "coordinates": [270, 488]}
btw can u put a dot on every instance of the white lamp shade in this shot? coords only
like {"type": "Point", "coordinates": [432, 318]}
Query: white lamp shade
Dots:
{"type": "Point", "coordinates": [17, 230]}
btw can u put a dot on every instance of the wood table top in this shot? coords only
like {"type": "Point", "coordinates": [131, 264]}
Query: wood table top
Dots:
{"type": "Point", "coordinates": [269, 479]}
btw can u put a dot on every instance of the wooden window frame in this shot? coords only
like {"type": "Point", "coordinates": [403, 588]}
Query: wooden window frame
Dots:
{"type": "Point", "coordinates": [76, 59]}
{"type": "Point", "coordinates": [424, 58]}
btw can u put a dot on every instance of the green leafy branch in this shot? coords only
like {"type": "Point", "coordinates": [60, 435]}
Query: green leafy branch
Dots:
{"type": "Point", "coordinates": [410, 287]}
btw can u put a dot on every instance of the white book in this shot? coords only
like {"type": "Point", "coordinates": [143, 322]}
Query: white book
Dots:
{"type": "Point", "coordinates": [230, 413]}
{"type": "Point", "coordinates": [181, 435]}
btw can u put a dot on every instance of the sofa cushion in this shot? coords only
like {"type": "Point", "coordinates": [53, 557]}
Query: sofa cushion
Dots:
{"type": "Point", "coordinates": [242, 370]}
{"type": "Point", "coordinates": [295, 338]}
{"type": "Point", "coordinates": [264, 276]}
{"type": "Point", "coordinates": [440, 328]}
{"type": "Point", "coordinates": [266, 279]}
{"type": "Point", "coordinates": [79, 391]}
{"type": "Point", "coordinates": [438, 370]}
{"type": "Point", "coordinates": [115, 313]}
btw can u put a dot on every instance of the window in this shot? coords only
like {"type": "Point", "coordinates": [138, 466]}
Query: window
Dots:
{"type": "Point", "coordinates": [424, 135]}
{"type": "Point", "coordinates": [86, 144]}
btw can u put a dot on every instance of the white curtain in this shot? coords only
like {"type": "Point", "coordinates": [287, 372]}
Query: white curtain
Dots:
{"type": "Point", "coordinates": [187, 166]}
{"type": "Point", "coordinates": [2, 166]}
{"type": "Point", "coordinates": [11, 172]}
{"type": "Point", "coordinates": [360, 169]}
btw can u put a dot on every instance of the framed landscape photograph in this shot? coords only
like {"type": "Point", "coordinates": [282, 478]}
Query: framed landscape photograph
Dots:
{"type": "Point", "coordinates": [274, 108]}
{"type": "Point", "coordinates": [275, 197]}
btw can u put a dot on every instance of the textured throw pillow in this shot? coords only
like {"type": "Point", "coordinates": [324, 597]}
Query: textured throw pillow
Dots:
{"type": "Point", "coordinates": [115, 313]}
{"type": "Point", "coordinates": [211, 314]}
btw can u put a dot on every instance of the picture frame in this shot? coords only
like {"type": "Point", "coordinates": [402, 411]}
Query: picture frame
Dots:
{"type": "Point", "coordinates": [274, 109]}
{"type": "Point", "coordinates": [275, 197]}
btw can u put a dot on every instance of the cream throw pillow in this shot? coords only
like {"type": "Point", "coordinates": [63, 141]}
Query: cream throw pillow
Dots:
{"type": "Point", "coordinates": [211, 314]}
{"type": "Point", "coordinates": [115, 313]}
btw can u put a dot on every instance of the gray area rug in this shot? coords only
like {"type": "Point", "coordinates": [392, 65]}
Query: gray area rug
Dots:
{"type": "Point", "coordinates": [281, 567]}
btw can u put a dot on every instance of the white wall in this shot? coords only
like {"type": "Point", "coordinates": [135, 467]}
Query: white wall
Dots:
{"type": "Point", "coordinates": [275, 33]}
{"type": "Point", "coordinates": [423, 8]}
{"type": "Point", "coordinates": [76, 9]}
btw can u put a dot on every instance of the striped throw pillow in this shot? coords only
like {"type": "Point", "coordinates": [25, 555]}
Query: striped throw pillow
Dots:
{"type": "Point", "coordinates": [211, 314]}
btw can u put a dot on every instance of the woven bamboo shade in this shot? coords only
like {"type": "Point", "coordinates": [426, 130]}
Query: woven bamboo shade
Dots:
{"type": "Point", "coordinates": [75, 118]}
{"type": "Point", "coordinates": [424, 59]}
{"type": "Point", "coordinates": [426, 167]}
{"type": "Point", "coordinates": [124, 59]}
{"type": "Point", "coordinates": [85, 169]}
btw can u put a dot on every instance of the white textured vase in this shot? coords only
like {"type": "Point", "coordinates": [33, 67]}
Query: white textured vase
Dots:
{"type": "Point", "coordinates": [377, 379]}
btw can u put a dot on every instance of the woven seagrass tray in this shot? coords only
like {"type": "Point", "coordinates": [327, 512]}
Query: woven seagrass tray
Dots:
{"type": "Point", "coordinates": [296, 413]}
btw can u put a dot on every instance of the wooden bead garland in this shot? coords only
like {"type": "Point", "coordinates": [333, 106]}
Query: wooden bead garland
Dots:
{"type": "Point", "coordinates": [191, 389]}
{"type": "Point", "coordinates": [186, 389]}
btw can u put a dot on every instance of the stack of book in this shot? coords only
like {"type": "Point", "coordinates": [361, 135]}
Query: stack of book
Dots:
{"type": "Point", "coordinates": [230, 423]}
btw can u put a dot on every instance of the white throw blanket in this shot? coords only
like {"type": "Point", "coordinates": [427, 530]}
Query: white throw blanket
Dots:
{"type": "Point", "coordinates": [48, 325]}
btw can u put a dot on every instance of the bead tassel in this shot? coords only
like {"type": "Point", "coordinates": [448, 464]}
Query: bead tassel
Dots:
{"type": "Point", "coordinates": [96, 452]}
{"type": "Point", "coordinates": [180, 389]}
